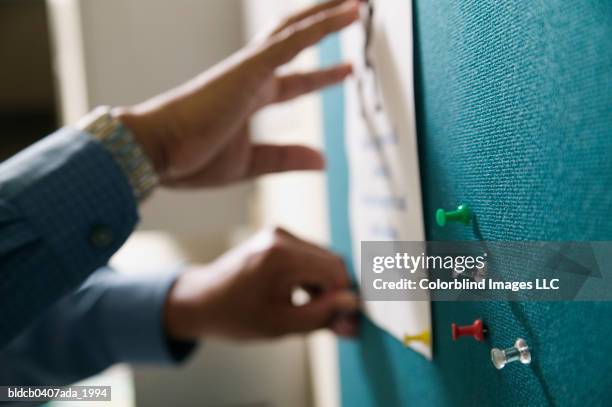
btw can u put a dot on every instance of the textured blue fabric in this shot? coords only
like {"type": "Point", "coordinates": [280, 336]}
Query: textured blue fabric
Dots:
{"type": "Point", "coordinates": [112, 318]}
{"type": "Point", "coordinates": [514, 104]}
{"type": "Point", "coordinates": [54, 198]}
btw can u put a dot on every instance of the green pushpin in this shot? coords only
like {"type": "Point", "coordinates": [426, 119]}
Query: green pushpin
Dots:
{"type": "Point", "coordinates": [462, 214]}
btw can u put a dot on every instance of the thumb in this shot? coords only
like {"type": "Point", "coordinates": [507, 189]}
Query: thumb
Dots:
{"type": "Point", "coordinates": [321, 311]}
{"type": "Point", "coordinates": [270, 158]}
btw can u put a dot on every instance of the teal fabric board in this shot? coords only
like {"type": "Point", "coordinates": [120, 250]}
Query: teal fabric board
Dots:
{"type": "Point", "coordinates": [514, 111]}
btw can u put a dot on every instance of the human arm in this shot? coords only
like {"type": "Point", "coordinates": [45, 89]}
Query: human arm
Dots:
{"type": "Point", "coordinates": [66, 207]}
{"type": "Point", "coordinates": [158, 318]}
{"type": "Point", "coordinates": [112, 318]}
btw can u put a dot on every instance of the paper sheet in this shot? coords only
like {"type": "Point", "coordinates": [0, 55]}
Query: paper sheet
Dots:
{"type": "Point", "coordinates": [385, 191]}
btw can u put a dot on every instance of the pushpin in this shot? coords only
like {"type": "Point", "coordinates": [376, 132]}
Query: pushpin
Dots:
{"type": "Point", "coordinates": [462, 214]}
{"type": "Point", "coordinates": [422, 337]}
{"type": "Point", "coordinates": [520, 352]}
{"type": "Point", "coordinates": [477, 330]}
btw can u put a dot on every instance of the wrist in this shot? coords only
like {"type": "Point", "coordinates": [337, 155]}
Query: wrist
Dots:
{"type": "Point", "coordinates": [147, 131]}
{"type": "Point", "coordinates": [178, 318]}
{"type": "Point", "coordinates": [188, 310]}
{"type": "Point", "coordinates": [127, 152]}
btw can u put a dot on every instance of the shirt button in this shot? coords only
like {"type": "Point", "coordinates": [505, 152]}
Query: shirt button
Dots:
{"type": "Point", "coordinates": [101, 237]}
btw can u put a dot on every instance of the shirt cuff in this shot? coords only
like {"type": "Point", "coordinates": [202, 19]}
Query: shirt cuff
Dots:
{"type": "Point", "coordinates": [131, 314]}
{"type": "Point", "coordinates": [77, 199]}
{"type": "Point", "coordinates": [65, 208]}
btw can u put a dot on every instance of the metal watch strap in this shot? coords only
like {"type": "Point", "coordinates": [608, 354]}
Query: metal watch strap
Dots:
{"type": "Point", "coordinates": [120, 142]}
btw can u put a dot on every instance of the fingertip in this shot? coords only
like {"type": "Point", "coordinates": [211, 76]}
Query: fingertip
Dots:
{"type": "Point", "coordinates": [351, 5]}
{"type": "Point", "coordinates": [343, 280]}
{"type": "Point", "coordinates": [320, 162]}
{"type": "Point", "coordinates": [345, 326]}
{"type": "Point", "coordinates": [349, 11]}
{"type": "Point", "coordinates": [346, 302]}
{"type": "Point", "coordinates": [344, 69]}
{"type": "Point", "coordinates": [349, 68]}
{"type": "Point", "coordinates": [310, 159]}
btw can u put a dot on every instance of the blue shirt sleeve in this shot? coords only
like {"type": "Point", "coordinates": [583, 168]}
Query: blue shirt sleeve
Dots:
{"type": "Point", "coordinates": [112, 318]}
{"type": "Point", "coordinates": [65, 208]}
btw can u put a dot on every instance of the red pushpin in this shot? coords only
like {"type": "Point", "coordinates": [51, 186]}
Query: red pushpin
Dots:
{"type": "Point", "coordinates": [477, 330]}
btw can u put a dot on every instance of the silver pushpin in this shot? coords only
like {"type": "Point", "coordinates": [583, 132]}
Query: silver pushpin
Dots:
{"type": "Point", "coordinates": [520, 352]}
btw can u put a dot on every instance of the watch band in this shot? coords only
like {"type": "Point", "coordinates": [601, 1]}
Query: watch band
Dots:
{"type": "Point", "coordinates": [120, 143]}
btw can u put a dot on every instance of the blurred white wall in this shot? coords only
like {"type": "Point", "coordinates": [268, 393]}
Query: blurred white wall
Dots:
{"type": "Point", "coordinates": [297, 201]}
{"type": "Point", "coordinates": [121, 52]}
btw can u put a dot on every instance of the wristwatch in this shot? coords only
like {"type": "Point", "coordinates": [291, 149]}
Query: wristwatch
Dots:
{"type": "Point", "coordinates": [120, 143]}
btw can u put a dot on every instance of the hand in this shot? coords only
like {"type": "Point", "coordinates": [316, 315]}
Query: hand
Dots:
{"type": "Point", "coordinates": [247, 293]}
{"type": "Point", "coordinates": [197, 134]}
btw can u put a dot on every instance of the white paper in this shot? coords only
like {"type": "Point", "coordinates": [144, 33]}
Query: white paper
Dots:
{"type": "Point", "coordinates": [385, 190]}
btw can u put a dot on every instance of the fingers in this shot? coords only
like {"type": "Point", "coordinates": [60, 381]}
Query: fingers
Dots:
{"type": "Point", "coordinates": [289, 262]}
{"type": "Point", "coordinates": [311, 269]}
{"type": "Point", "coordinates": [297, 263]}
{"type": "Point", "coordinates": [323, 312]}
{"type": "Point", "coordinates": [320, 251]}
{"type": "Point", "coordinates": [311, 11]}
{"type": "Point", "coordinates": [305, 33]}
{"type": "Point", "coordinates": [269, 158]}
{"type": "Point", "coordinates": [292, 86]}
